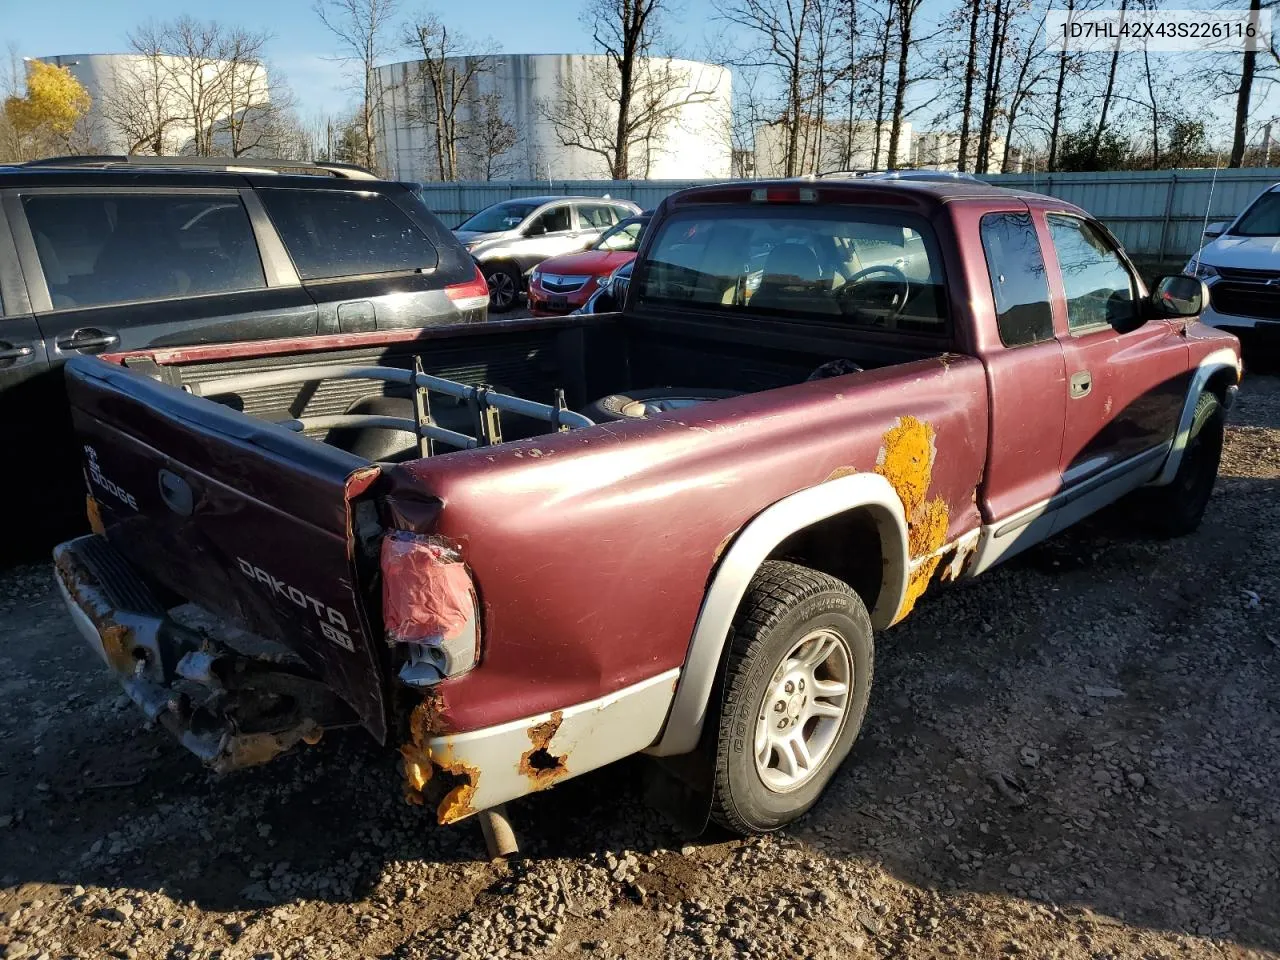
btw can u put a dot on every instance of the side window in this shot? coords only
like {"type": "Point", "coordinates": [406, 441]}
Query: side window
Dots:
{"type": "Point", "coordinates": [596, 215]}
{"type": "Point", "coordinates": [555, 220]}
{"type": "Point", "coordinates": [338, 233]}
{"type": "Point", "coordinates": [1015, 265]}
{"type": "Point", "coordinates": [101, 248]}
{"type": "Point", "coordinates": [1098, 285]}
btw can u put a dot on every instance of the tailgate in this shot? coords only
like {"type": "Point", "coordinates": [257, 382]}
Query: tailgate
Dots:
{"type": "Point", "coordinates": [240, 516]}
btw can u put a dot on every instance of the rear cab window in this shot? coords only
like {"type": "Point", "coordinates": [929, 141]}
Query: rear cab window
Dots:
{"type": "Point", "coordinates": [861, 267]}
{"type": "Point", "coordinates": [1019, 287]}
{"type": "Point", "coordinates": [101, 248]}
{"type": "Point", "coordinates": [341, 233]}
{"type": "Point", "coordinates": [1100, 289]}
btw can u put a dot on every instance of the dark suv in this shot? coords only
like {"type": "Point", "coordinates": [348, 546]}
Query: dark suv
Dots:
{"type": "Point", "coordinates": [117, 254]}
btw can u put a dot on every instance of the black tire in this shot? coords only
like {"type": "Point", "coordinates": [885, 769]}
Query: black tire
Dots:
{"type": "Point", "coordinates": [1177, 509]}
{"type": "Point", "coordinates": [784, 604]}
{"type": "Point", "coordinates": [505, 283]}
{"type": "Point", "coordinates": [630, 405]}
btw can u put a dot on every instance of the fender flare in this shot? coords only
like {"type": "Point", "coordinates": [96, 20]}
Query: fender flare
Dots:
{"type": "Point", "coordinates": [739, 564]}
{"type": "Point", "coordinates": [1218, 360]}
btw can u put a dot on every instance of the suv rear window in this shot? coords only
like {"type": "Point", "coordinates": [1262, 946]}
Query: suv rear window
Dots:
{"type": "Point", "coordinates": [331, 233]}
{"type": "Point", "coordinates": [102, 248]}
{"type": "Point", "coordinates": [860, 267]}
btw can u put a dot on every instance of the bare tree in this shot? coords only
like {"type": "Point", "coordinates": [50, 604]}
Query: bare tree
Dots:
{"type": "Point", "coordinates": [1248, 66]}
{"type": "Point", "coordinates": [1108, 93]}
{"type": "Point", "coordinates": [362, 28]}
{"type": "Point", "coordinates": [906, 11]}
{"type": "Point", "coordinates": [197, 77]}
{"type": "Point", "coordinates": [584, 114]}
{"type": "Point", "coordinates": [970, 79]}
{"type": "Point", "coordinates": [781, 42]}
{"type": "Point", "coordinates": [490, 138]}
{"type": "Point", "coordinates": [619, 105]}
{"type": "Point", "coordinates": [140, 101]}
{"type": "Point", "coordinates": [254, 107]}
{"type": "Point", "coordinates": [446, 78]}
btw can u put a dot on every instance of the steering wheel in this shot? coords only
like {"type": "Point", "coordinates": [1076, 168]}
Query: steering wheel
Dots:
{"type": "Point", "coordinates": [899, 301]}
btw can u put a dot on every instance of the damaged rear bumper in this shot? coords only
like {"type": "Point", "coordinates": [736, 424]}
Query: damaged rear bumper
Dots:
{"type": "Point", "coordinates": [229, 709]}
{"type": "Point", "coordinates": [463, 773]}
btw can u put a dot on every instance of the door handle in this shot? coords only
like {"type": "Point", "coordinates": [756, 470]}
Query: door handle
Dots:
{"type": "Point", "coordinates": [88, 340]}
{"type": "Point", "coordinates": [15, 353]}
{"type": "Point", "coordinates": [1081, 384]}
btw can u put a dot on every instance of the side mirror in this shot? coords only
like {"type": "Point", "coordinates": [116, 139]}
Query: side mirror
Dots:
{"type": "Point", "coordinates": [535, 229]}
{"type": "Point", "coordinates": [1179, 296]}
{"type": "Point", "coordinates": [1214, 230]}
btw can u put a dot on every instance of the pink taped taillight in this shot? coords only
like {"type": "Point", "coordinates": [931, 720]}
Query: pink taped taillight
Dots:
{"type": "Point", "coordinates": [429, 602]}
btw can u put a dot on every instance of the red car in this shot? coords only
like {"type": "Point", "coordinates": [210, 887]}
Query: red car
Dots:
{"type": "Point", "coordinates": [563, 284]}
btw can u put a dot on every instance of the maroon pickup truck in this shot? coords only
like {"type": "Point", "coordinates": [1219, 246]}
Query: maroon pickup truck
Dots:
{"type": "Point", "coordinates": [516, 553]}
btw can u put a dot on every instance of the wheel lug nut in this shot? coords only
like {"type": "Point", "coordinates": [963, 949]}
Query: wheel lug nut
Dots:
{"type": "Point", "coordinates": [782, 724]}
{"type": "Point", "coordinates": [802, 686]}
{"type": "Point", "coordinates": [780, 706]}
{"type": "Point", "coordinates": [790, 687]}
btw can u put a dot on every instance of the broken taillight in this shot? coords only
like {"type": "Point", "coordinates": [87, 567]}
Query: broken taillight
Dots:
{"type": "Point", "coordinates": [429, 606]}
{"type": "Point", "coordinates": [471, 295]}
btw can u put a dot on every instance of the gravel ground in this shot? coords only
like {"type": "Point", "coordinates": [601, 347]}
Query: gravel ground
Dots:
{"type": "Point", "coordinates": [1076, 756]}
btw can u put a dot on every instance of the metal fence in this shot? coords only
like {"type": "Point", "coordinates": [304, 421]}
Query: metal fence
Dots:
{"type": "Point", "coordinates": [1157, 214]}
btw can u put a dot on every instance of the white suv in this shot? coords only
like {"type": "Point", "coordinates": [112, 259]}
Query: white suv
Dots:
{"type": "Point", "coordinates": [1241, 266]}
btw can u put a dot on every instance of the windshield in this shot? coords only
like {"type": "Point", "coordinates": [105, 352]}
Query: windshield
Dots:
{"type": "Point", "coordinates": [857, 266]}
{"type": "Point", "coordinates": [1262, 219]}
{"type": "Point", "coordinates": [499, 217]}
{"type": "Point", "coordinates": [625, 237]}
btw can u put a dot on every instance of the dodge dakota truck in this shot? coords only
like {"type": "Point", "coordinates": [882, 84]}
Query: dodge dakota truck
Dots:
{"type": "Point", "coordinates": [517, 552]}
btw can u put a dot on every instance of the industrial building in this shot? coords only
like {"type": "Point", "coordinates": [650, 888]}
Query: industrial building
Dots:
{"type": "Point", "coordinates": [518, 95]}
{"type": "Point", "coordinates": [141, 103]}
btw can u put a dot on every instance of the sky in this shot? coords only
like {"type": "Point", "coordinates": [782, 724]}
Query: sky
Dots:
{"type": "Point", "coordinates": [301, 44]}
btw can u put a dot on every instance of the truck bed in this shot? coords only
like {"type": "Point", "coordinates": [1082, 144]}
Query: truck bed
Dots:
{"type": "Point", "coordinates": [216, 500]}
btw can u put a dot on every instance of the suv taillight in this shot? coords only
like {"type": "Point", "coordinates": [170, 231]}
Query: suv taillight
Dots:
{"type": "Point", "coordinates": [471, 295]}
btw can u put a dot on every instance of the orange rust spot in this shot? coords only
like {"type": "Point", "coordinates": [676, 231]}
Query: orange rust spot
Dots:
{"type": "Point", "coordinates": [94, 513]}
{"type": "Point", "coordinates": [927, 529]}
{"type": "Point", "coordinates": [538, 763]}
{"type": "Point", "coordinates": [457, 802]}
{"type": "Point", "coordinates": [117, 639]}
{"type": "Point", "coordinates": [722, 546]}
{"type": "Point", "coordinates": [458, 780]}
{"type": "Point", "coordinates": [906, 461]}
{"type": "Point", "coordinates": [839, 472]}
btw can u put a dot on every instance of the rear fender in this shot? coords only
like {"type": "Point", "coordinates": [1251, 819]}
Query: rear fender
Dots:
{"type": "Point", "coordinates": [739, 564]}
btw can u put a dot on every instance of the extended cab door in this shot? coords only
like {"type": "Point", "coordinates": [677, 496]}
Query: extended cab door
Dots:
{"type": "Point", "coordinates": [1025, 372]}
{"type": "Point", "coordinates": [128, 268]}
{"type": "Point", "coordinates": [1126, 383]}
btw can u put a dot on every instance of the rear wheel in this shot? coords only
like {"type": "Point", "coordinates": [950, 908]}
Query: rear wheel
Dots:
{"type": "Point", "coordinates": [504, 286]}
{"type": "Point", "coordinates": [796, 688]}
{"type": "Point", "coordinates": [1176, 510]}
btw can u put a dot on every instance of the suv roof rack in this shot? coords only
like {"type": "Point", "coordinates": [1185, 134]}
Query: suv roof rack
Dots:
{"type": "Point", "coordinates": [347, 171]}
